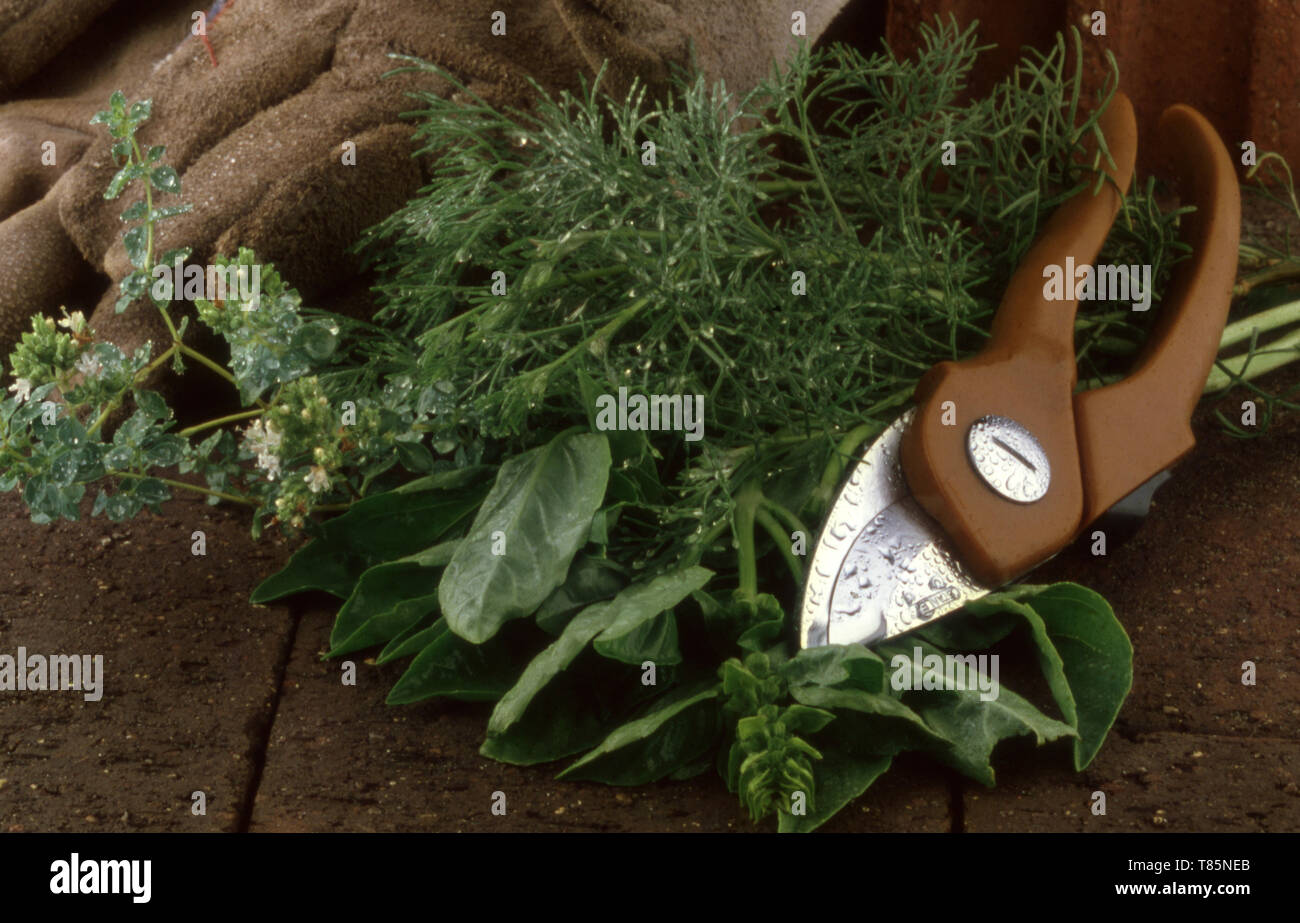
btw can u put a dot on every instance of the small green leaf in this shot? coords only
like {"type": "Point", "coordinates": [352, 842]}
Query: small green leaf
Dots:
{"type": "Point", "coordinates": [137, 246]}
{"type": "Point", "coordinates": [136, 211]}
{"type": "Point", "coordinates": [151, 491]}
{"type": "Point", "coordinates": [152, 405]}
{"type": "Point", "coordinates": [164, 451]}
{"type": "Point", "coordinates": [164, 179]}
{"type": "Point", "coordinates": [414, 456]}
{"type": "Point", "coordinates": [132, 287]}
{"type": "Point", "coordinates": [119, 181]}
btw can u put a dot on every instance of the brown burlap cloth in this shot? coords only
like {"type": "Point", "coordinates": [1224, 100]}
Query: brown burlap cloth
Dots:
{"type": "Point", "coordinates": [258, 139]}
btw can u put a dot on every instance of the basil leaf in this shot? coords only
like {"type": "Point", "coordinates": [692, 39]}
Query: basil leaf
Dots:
{"type": "Point", "coordinates": [643, 629]}
{"type": "Point", "coordinates": [590, 580]}
{"type": "Point", "coordinates": [453, 668]}
{"type": "Point", "coordinates": [654, 640]}
{"type": "Point", "coordinates": [1085, 656]}
{"type": "Point", "coordinates": [970, 725]}
{"type": "Point", "coordinates": [541, 505]}
{"type": "Point", "coordinates": [834, 664]}
{"type": "Point", "coordinates": [612, 620]}
{"type": "Point", "coordinates": [388, 599]}
{"type": "Point", "coordinates": [669, 737]}
{"type": "Point", "coordinates": [376, 529]}
{"type": "Point", "coordinates": [412, 641]}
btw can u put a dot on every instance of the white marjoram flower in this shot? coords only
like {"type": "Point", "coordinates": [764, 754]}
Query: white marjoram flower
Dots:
{"type": "Point", "coordinates": [263, 440]}
{"type": "Point", "coordinates": [89, 365]}
{"type": "Point", "coordinates": [317, 480]}
{"type": "Point", "coordinates": [76, 322]}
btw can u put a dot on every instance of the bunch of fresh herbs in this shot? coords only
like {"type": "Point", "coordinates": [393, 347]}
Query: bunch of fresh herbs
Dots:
{"type": "Point", "coordinates": [797, 258]}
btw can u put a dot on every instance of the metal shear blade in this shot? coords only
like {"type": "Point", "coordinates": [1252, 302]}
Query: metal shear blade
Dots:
{"type": "Point", "coordinates": [882, 566]}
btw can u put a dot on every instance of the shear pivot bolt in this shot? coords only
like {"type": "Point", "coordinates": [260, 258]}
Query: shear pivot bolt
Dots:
{"type": "Point", "coordinates": [1008, 458]}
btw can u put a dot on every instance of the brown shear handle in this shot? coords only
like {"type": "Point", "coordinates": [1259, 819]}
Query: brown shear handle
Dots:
{"type": "Point", "coordinates": [1130, 430]}
{"type": "Point", "coordinates": [1026, 371]}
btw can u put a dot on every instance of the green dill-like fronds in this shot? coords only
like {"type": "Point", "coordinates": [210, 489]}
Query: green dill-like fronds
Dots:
{"type": "Point", "coordinates": [798, 257]}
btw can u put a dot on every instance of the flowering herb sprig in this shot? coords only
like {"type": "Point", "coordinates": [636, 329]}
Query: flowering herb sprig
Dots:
{"type": "Point", "coordinates": [300, 449]}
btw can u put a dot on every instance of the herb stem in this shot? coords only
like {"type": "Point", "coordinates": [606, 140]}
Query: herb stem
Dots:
{"type": "Point", "coordinates": [1264, 321]}
{"type": "Point", "coordinates": [747, 501]}
{"type": "Point", "coordinates": [183, 486]}
{"type": "Point", "coordinates": [149, 223]}
{"type": "Point", "coordinates": [782, 542]}
{"type": "Point", "coordinates": [205, 361]}
{"type": "Point", "coordinates": [220, 421]}
{"type": "Point", "coordinates": [1272, 356]}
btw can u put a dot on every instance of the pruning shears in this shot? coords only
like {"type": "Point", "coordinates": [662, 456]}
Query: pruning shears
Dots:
{"type": "Point", "coordinates": [1000, 464]}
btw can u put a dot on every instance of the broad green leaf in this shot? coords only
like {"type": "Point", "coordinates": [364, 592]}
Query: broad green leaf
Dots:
{"type": "Point", "coordinates": [639, 633]}
{"type": "Point", "coordinates": [619, 615]}
{"type": "Point", "coordinates": [388, 599]}
{"type": "Point", "coordinates": [379, 528]}
{"type": "Point", "coordinates": [541, 505]}
{"type": "Point", "coordinates": [412, 641]}
{"type": "Point", "coordinates": [969, 723]}
{"type": "Point", "coordinates": [570, 716]}
{"type": "Point", "coordinates": [590, 580]}
{"type": "Point", "coordinates": [836, 664]}
{"type": "Point", "coordinates": [1085, 656]}
{"type": "Point", "coordinates": [888, 725]}
{"type": "Point", "coordinates": [666, 739]}
{"type": "Point", "coordinates": [548, 664]}
{"type": "Point", "coordinates": [451, 667]}
{"type": "Point", "coordinates": [654, 640]}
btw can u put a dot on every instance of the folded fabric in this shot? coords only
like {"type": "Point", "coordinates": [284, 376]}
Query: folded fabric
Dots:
{"type": "Point", "coordinates": [256, 115]}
